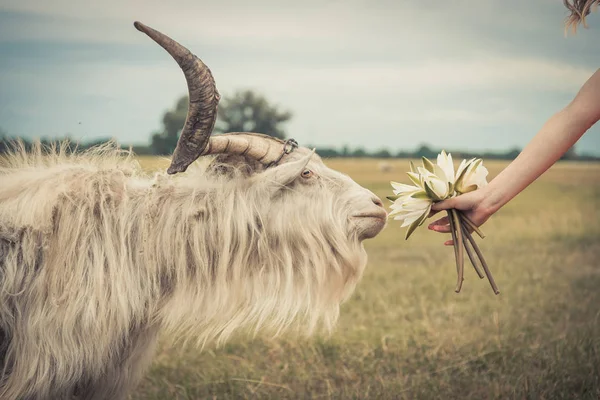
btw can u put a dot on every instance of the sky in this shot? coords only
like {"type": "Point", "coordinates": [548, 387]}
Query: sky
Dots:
{"type": "Point", "coordinates": [463, 74]}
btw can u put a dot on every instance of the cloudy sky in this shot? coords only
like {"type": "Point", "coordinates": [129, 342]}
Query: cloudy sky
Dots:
{"type": "Point", "coordinates": [464, 74]}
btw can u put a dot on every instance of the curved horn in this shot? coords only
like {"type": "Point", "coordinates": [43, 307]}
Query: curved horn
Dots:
{"type": "Point", "coordinates": [262, 148]}
{"type": "Point", "coordinates": [203, 101]}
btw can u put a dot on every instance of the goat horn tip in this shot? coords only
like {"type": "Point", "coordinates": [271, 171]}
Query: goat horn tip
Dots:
{"type": "Point", "coordinates": [175, 168]}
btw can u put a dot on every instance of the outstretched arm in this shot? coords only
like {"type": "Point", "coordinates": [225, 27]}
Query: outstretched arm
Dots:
{"type": "Point", "coordinates": [557, 135]}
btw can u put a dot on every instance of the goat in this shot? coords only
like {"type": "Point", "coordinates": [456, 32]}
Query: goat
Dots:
{"type": "Point", "coordinates": [97, 257]}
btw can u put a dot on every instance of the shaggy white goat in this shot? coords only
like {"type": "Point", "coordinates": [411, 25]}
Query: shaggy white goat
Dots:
{"type": "Point", "coordinates": [97, 257]}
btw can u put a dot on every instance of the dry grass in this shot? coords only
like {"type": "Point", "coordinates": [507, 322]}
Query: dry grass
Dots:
{"type": "Point", "coordinates": [406, 334]}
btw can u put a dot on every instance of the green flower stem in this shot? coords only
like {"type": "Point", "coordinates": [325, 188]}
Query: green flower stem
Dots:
{"type": "Point", "coordinates": [483, 263]}
{"type": "Point", "coordinates": [460, 256]}
{"type": "Point", "coordinates": [472, 256]}
{"type": "Point", "coordinates": [471, 224]}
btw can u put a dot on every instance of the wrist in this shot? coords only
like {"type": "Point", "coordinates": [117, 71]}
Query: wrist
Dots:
{"type": "Point", "coordinates": [491, 201]}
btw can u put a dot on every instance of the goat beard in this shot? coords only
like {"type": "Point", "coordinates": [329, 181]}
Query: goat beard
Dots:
{"type": "Point", "coordinates": [301, 294]}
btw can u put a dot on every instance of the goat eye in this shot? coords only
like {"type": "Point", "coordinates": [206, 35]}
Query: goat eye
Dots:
{"type": "Point", "coordinates": [307, 173]}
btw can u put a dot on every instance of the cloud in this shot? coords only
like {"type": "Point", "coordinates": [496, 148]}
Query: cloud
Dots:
{"type": "Point", "coordinates": [436, 75]}
{"type": "Point", "coordinates": [385, 68]}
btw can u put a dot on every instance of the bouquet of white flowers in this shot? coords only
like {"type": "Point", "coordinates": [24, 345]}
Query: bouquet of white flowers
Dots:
{"type": "Point", "coordinates": [435, 182]}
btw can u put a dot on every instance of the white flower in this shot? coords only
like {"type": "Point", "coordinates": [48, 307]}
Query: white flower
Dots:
{"type": "Point", "coordinates": [412, 211]}
{"type": "Point", "coordinates": [435, 184]}
{"type": "Point", "coordinates": [444, 161]}
{"type": "Point", "coordinates": [400, 189]}
{"type": "Point", "coordinates": [409, 210]}
{"type": "Point", "coordinates": [431, 183]}
{"type": "Point", "coordinates": [471, 175]}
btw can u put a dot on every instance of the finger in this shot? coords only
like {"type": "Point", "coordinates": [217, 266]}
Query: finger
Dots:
{"type": "Point", "coordinates": [432, 213]}
{"type": "Point", "coordinates": [441, 228]}
{"type": "Point", "coordinates": [441, 225]}
{"type": "Point", "coordinates": [449, 243]}
{"type": "Point", "coordinates": [443, 205]}
{"type": "Point", "coordinates": [441, 221]}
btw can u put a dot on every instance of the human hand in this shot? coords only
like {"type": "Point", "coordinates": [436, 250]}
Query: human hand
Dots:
{"type": "Point", "coordinates": [473, 206]}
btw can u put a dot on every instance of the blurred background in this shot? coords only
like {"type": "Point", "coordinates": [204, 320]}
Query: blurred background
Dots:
{"type": "Point", "coordinates": [371, 85]}
{"type": "Point", "coordinates": [352, 78]}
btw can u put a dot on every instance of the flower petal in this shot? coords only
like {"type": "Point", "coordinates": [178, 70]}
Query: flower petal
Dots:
{"type": "Point", "coordinates": [431, 193]}
{"type": "Point", "coordinates": [412, 166]}
{"type": "Point", "coordinates": [428, 165]}
{"type": "Point", "coordinates": [444, 161]}
{"type": "Point", "coordinates": [418, 222]}
{"type": "Point", "coordinates": [400, 188]}
{"type": "Point", "coordinates": [415, 178]}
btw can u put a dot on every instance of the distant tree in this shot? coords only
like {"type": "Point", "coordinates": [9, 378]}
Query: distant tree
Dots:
{"type": "Point", "coordinates": [327, 152]}
{"type": "Point", "coordinates": [383, 153]}
{"type": "Point", "coordinates": [247, 111]}
{"type": "Point", "coordinates": [164, 142]}
{"type": "Point", "coordinates": [345, 151]}
{"type": "Point", "coordinates": [511, 154]}
{"type": "Point", "coordinates": [141, 150]}
{"type": "Point", "coordinates": [359, 152]}
{"type": "Point", "coordinates": [404, 154]}
{"type": "Point", "coordinates": [425, 151]}
{"type": "Point", "coordinates": [93, 143]}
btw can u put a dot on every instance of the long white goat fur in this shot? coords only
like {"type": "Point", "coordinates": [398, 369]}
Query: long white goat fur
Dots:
{"type": "Point", "coordinates": [96, 257]}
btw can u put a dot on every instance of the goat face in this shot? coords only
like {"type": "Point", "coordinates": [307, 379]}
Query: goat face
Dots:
{"type": "Point", "coordinates": [303, 190]}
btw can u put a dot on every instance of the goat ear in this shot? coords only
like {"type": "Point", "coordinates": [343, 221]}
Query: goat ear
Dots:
{"type": "Point", "coordinates": [284, 174]}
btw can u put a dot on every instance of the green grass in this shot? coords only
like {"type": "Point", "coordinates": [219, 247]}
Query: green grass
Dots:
{"type": "Point", "coordinates": [406, 334]}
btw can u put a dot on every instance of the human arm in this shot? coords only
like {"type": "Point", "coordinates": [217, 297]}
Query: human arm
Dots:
{"type": "Point", "coordinates": [557, 135]}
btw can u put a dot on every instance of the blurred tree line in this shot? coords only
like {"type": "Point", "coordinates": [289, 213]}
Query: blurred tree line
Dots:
{"type": "Point", "coordinates": [248, 111]}
{"type": "Point", "coordinates": [245, 111]}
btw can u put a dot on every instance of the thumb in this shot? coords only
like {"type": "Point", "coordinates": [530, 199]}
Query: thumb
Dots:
{"type": "Point", "coordinates": [444, 205]}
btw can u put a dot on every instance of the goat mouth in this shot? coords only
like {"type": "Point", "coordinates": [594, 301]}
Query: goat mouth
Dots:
{"type": "Point", "coordinates": [369, 224]}
{"type": "Point", "coordinates": [378, 215]}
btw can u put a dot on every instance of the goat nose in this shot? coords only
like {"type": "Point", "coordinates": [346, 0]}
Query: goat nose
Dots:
{"type": "Point", "coordinates": [377, 201]}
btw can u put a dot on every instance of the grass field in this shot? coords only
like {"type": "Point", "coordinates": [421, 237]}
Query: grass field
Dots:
{"type": "Point", "coordinates": [406, 334]}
